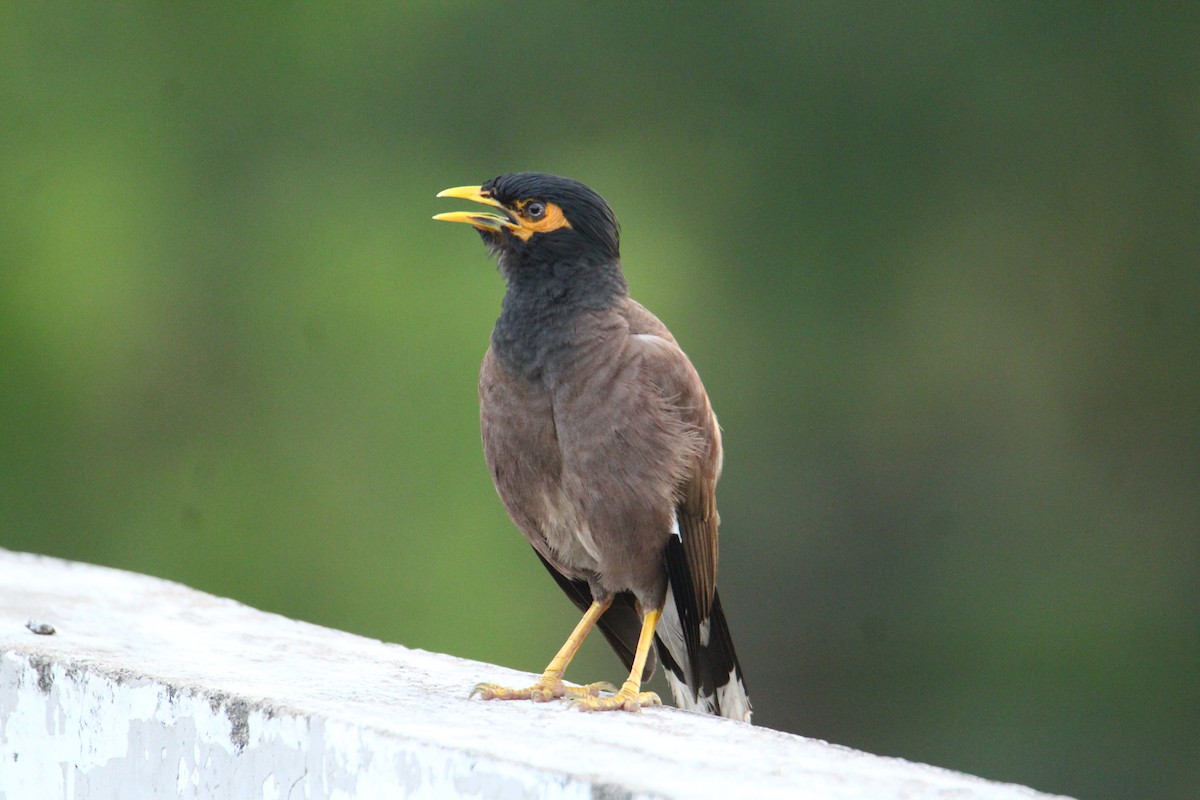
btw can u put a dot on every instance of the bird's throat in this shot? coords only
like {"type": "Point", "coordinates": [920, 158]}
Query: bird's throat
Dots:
{"type": "Point", "coordinates": [548, 310]}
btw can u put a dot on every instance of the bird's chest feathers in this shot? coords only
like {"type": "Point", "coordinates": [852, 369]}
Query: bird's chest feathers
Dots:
{"type": "Point", "coordinates": [550, 425]}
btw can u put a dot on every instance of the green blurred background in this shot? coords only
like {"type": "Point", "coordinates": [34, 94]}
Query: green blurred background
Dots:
{"type": "Point", "coordinates": [938, 266]}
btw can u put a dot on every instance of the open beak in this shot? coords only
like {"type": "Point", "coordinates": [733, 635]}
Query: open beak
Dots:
{"type": "Point", "coordinates": [483, 220]}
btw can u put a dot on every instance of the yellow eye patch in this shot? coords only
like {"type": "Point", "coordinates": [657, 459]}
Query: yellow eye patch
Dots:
{"type": "Point", "coordinates": [552, 220]}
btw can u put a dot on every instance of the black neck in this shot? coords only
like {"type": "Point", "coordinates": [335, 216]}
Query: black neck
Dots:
{"type": "Point", "coordinates": [540, 315]}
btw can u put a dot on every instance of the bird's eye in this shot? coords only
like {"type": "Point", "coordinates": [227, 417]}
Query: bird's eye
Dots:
{"type": "Point", "coordinates": [535, 210]}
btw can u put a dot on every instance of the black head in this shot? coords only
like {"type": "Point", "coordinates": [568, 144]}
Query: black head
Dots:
{"type": "Point", "coordinates": [543, 218]}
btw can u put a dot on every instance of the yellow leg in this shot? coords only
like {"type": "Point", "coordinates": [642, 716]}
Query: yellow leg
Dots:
{"type": "Point", "coordinates": [630, 697]}
{"type": "Point", "coordinates": [551, 685]}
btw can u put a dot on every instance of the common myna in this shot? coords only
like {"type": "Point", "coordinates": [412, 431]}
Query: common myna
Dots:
{"type": "Point", "coordinates": [603, 447]}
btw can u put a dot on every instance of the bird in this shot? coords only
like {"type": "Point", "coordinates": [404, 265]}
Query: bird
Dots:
{"type": "Point", "coordinates": [604, 449]}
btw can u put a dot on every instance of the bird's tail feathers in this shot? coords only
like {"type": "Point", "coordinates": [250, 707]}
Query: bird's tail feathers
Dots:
{"type": "Point", "coordinates": [710, 680]}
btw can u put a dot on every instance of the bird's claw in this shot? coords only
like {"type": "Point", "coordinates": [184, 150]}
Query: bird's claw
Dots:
{"type": "Point", "coordinates": [545, 690]}
{"type": "Point", "coordinates": [590, 689]}
{"type": "Point", "coordinates": [627, 699]}
{"type": "Point", "coordinates": [494, 691]}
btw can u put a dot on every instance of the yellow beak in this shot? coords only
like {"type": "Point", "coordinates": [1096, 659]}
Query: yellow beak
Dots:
{"type": "Point", "coordinates": [483, 220]}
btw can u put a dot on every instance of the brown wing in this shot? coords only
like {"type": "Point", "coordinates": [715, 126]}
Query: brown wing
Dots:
{"type": "Point", "coordinates": [696, 507]}
{"type": "Point", "coordinates": [698, 523]}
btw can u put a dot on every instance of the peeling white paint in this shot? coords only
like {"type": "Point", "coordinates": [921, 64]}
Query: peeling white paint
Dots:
{"type": "Point", "coordinates": [150, 688]}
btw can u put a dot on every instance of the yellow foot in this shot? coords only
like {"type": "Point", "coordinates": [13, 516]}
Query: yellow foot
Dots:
{"type": "Point", "coordinates": [628, 699]}
{"type": "Point", "coordinates": [545, 690]}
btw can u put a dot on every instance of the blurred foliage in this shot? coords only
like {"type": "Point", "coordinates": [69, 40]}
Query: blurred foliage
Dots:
{"type": "Point", "coordinates": [938, 265]}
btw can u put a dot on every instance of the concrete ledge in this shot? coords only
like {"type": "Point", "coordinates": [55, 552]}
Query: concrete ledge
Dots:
{"type": "Point", "coordinates": [148, 688]}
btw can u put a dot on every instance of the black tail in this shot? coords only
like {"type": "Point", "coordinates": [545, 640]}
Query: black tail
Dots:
{"type": "Point", "coordinates": [701, 665]}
